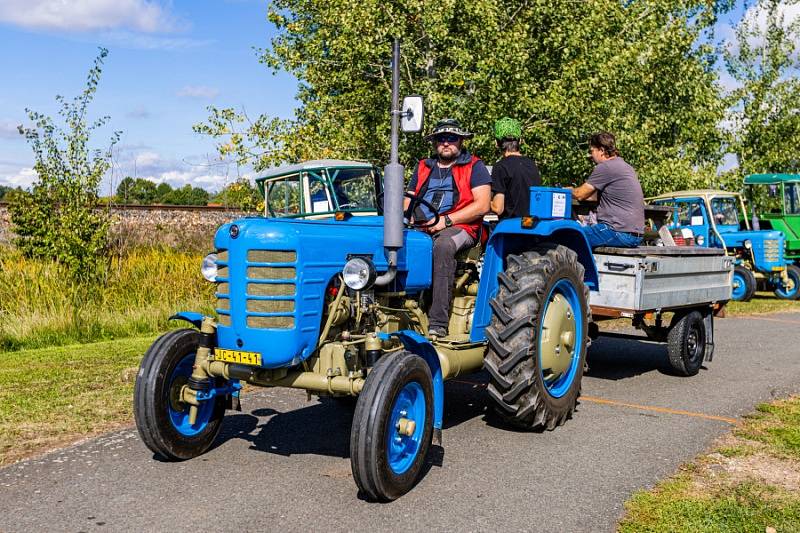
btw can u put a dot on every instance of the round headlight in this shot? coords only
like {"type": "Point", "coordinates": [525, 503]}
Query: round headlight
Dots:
{"type": "Point", "coordinates": [748, 243]}
{"type": "Point", "coordinates": [700, 240]}
{"type": "Point", "coordinates": [209, 267]}
{"type": "Point", "coordinates": [359, 273]}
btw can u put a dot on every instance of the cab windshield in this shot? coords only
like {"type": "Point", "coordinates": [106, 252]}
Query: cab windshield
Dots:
{"type": "Point", "coordinates": [791, 194]}
{"type": "Point", "coordinates": [726, 211]}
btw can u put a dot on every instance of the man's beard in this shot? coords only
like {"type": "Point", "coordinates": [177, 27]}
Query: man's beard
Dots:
{"type": "Point", "coordinates": [449, 159]}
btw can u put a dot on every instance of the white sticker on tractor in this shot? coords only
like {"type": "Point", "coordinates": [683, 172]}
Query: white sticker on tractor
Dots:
{"type": "Point", "coordinates": [559, 204]}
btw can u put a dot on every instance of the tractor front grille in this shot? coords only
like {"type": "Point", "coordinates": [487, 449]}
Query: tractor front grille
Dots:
{"type": "Point", "coordinates": [772, 250]}
{"type": "Point", "coordinates": [269, 289]}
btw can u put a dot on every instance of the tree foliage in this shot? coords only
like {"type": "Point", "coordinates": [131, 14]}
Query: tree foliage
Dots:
{"type": "Point", "coordinates": [145, 192]}
{"type": "Point", "coordinates": [241, 194]}
{"type": "Point", "coordinates": [565, 69]}
{"type": "Point", "coordinates": [764, 121]}
{"type": "Point", "coordinates": [58, 219]}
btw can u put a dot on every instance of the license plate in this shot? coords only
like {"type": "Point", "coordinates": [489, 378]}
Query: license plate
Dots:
{"type": "Point", "coordinates": [238, 357]}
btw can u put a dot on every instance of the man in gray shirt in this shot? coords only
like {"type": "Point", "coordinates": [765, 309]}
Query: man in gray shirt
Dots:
{"type": "Point", "coordinates": [620, 213]}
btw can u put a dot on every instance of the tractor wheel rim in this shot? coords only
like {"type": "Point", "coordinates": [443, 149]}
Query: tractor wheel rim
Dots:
{"type": "Point", "coordinates": [788, 292]}
{"type": "Point", "coordinates": [560, 338]}
{"type": "Point", "coordinates": [406, 427]}
{"type": "Point", "coordinates": [738, 286]}
{"type": "Point", "coordinates": [179, 411]}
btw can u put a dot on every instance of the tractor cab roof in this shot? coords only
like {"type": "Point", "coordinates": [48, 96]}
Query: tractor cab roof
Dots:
{"type": "Point", "coordinates": [701, 193]}
{"type": "Point", "coordinates": [771, 179]}
{"type": "Point", "coordinates": [315, 164]}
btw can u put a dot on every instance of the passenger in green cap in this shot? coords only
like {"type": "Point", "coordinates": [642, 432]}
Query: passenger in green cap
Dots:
{"type": "Point", "coordinates": [514, 174]}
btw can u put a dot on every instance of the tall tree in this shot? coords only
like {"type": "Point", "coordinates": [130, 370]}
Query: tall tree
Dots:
{"type": "Point", "coordinates": [59, 218]}
{"type": "Point", "coordinates": [765, 105]}
{"type": "Point", "coordinates": [566, 69]}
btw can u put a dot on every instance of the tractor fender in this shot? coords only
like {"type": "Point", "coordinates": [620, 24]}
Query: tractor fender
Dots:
{"type": "Point", "coordinates": [419, 345]}
{"type": "Point", "coordinates": [509, 237]}
{"type": "Point", "coordinates": [193, 318]}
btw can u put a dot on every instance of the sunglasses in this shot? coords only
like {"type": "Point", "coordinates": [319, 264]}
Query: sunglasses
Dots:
{"type": "Point", "coordinates": [448, 138]}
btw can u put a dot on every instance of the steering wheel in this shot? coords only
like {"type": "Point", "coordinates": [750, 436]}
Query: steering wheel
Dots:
{"type": "Point", "coordinates": [415, 202]}
{"type": "Point", "coordinates": [409, 212]}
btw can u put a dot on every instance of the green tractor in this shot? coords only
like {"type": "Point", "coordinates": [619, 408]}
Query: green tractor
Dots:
{"type": "Point", "coordinates": [775, 204]}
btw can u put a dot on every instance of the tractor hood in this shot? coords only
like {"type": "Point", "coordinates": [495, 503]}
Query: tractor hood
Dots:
{"type": "Point", "coordinates": [273, 274]}
{"type": "Point", "coordinates": [767, 248]}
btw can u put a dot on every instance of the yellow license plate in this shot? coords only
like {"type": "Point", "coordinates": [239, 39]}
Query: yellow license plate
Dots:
{"type": "Point", "coordinates": [236, 356]}
{"type": "Point", "coordinates": [778, 269]}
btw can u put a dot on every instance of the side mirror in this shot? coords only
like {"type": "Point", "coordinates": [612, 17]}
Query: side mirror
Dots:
{"type": "Point", "coordinates": [411, 114]}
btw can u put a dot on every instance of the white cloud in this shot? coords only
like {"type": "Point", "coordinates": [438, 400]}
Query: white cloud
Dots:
{"type": "Point", "coordinates": [756, 17]}
{"type": "Point", "coordinates": [8, 129]}
{"type": "Point", "coordinates": [198, 91]}
{"type": "Point", "coordinates": [23, 177]}
{"type": "Point", "coordinates": [87, 15]}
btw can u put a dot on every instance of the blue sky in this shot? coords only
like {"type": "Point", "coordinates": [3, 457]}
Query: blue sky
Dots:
{"type": "Point", "coordinates": [167, 61]}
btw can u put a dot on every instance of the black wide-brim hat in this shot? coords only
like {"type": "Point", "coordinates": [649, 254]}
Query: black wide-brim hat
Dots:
{"type": "Point", "coordinates": [449, 125]}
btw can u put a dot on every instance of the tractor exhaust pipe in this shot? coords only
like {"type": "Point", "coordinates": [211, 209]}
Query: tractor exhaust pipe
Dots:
{"type": "Point", "coordinates": [393, 182]}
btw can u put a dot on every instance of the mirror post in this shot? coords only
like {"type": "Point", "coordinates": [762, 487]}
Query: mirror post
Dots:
{"type": "Point", "coordinates": [393, 181]}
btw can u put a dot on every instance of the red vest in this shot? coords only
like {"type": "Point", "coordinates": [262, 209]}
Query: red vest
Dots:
{"type": "Point", "coordinates": [461, 176]}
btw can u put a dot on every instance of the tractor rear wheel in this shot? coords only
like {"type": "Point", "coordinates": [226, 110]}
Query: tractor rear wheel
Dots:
{"type": "Point", "coordinates": [538, 338]}
{"type": "Point", "coordinates": [392, 426]}
{"type": "Point", "coordinates": [743, 285]}
{"type": "Point", "coordinates": [161, 418]}
{"type": "Point", "coordinates": [792, 292]}
{"type": "Point", "coordinates": [686, 343]}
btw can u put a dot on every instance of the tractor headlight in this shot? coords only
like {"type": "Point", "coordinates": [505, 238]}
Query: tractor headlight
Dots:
{"type": "Point", "coordinates": [700, 240]}
{"type": "Point", "coordinates": [209, 267]}
{"type": "Point", "coordinates": [359, 273]}
{"type": "Point", "coordinates": [748, 244]}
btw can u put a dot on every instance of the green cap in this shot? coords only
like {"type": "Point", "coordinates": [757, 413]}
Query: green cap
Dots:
{"type": "Point", "coordinates": [507, 128]}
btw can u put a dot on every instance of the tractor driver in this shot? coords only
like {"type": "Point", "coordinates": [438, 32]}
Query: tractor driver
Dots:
{"type": "Point", "coordinates": [458, 185]}
{"type": "Point", "coordinates": [620, 213]}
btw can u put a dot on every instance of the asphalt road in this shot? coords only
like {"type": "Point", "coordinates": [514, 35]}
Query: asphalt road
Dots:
{"type": "Point", "coordinates": [283, 463]}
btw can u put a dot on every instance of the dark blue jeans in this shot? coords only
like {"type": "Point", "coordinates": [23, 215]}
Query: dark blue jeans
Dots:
{"type": "Point", "coordinates": [603, 235]}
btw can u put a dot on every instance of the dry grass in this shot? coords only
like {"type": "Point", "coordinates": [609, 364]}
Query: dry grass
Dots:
{"type": "Point", "coordinates": [40, 307]}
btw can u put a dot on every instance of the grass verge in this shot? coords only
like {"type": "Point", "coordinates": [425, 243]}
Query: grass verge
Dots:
{"type": "Point", "coordinates": [751, 482]}
{"type": "Point", "coordinates": [762, 302]}
{"type": "Point", "coordinates": [52, 396]}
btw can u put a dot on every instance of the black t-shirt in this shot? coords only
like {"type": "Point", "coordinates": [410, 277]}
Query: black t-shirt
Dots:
{"type": "Point", "coordinates": [512, 176]}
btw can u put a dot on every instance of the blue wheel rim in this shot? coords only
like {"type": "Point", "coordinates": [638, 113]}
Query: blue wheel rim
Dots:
{"type": "Point", "coordinates": [792, 293]}
{"type": "Point", "coordinates": [180, 418]}
{"type": "Point", "coordinates": [401, 449]}
{"type": "Point", "coordinates": [738, 286]}
{"type": "Point", "coordinates": [561, 385]}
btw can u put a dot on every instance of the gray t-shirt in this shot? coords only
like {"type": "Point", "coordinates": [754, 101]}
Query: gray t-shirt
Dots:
{"type": "Point", "coordinates": [620, 195]}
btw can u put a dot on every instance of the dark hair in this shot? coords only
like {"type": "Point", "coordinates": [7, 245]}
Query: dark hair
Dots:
{"type": "Point", "coordinates": [606, 142]}
{"type": "Point", "coordinates": [508, 145]}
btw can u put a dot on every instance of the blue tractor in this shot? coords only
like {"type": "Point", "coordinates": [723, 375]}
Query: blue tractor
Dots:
{"type": "Point", "coordinates": [718, 219]}
{"type": "Point", "coordinates": [328, 291]}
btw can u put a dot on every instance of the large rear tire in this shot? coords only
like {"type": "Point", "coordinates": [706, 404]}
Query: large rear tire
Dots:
{"type": "Point", "coordinates": [387, 452]}
{"type": "Point", "coordinates": [162, 420]}
{"type": "Point", "coordinates": [538, 338]}
{"type": "Point", "coordinates": [743, 284]}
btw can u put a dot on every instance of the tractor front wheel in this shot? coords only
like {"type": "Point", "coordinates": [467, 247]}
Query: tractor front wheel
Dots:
{"type": "Point", "coordinates": [538, 338]}
{"type": "Point", "coordinates": [743, 285]}
{"type": "Point", "coordinates": [792, 290]}
{"type": "Point", "coordinates": [161, 417]}
{"type": "Point", "coordinates": [392, 426]}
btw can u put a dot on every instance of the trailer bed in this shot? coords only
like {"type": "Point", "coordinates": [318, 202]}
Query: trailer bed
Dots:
{"type": "Point", "coordinates": [659, 278]}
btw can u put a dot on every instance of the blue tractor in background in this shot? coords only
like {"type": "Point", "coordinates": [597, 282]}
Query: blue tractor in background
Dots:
{"type": "Point", "coordinates": [718, 219]}
{"type": "Point", "coordinates": [328, 292]}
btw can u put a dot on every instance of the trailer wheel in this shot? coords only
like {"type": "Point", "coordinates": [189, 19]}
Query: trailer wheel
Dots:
{"type": "Point", "coordinates": [392, 426]}
{"type": "Point", "coordinates": [538, 338]}
{"type": "Point", "coordinates": [793, 292]}
{"type": "Point", "coordinates": [162, 420]}
{"type": "Point", "coordinates": [686, 343]}
{"type": "Point", "coordinates": [743, 285]}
